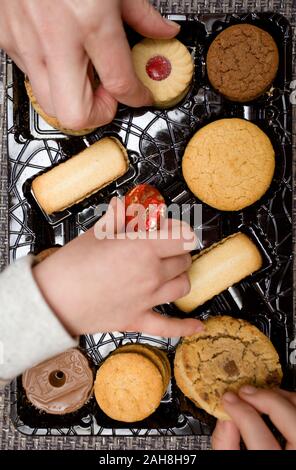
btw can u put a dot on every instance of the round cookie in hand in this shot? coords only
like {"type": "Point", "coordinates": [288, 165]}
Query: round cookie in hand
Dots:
{"type": "Point", "coordinates": [242, 62]}
{"type": "Point", "coordinates": [228, 354]}
{"type": "Point", "coordinates": [51, 120]}
{"type": "Point", "coordinates": [165, 67]}
{"type": "Point", "coordinates": [229, 164]}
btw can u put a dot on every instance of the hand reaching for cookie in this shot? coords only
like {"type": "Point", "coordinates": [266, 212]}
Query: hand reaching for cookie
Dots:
{"type": "Point", "coordinates": [112, 284]}
{"type": "Point", "coordinates": [54, 41]}
{"type": "Point", "coordinates": [247, 423]}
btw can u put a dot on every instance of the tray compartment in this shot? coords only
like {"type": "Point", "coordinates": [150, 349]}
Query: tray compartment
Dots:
{"type": "Point", "coordinates": [156, 140]}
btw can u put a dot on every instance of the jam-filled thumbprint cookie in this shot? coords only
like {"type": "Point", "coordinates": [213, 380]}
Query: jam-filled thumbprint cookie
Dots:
{"type": "Point", "coordinates": [165, 67]}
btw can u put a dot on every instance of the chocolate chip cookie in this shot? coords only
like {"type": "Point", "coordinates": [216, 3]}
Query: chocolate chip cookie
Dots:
{"type": "Point", "coordinates": [228, 354]}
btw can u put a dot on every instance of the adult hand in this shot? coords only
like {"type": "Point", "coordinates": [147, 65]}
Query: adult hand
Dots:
{"type": "Point", "coordinates": [54, 42]}
{"type": "Point", "coordinates": [245, 410]}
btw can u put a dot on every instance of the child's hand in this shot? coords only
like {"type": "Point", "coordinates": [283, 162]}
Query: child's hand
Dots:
{"type": "Point", "coordinates": [112, 284]}
{"type": "Point", "coordinates": [245, 411]}
{"type": "Point", "coordinates": [53, 42]}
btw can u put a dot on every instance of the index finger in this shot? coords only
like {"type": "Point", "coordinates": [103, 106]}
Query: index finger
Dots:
{"type": "Point", "coordinates": [77, 106]}
{"type": "Point", "coordinates": [280, 410]}
{"type": "Point", "coordinates": [254, 431]}
{"type": "Point", "coordinates": [176, 239]}
{"type": "Point", "coordinates": [110, 54]}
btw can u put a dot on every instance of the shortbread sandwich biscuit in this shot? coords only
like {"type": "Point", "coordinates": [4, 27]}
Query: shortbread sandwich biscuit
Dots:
{"type": "Point", "coordinates": [128, 387]}
{"type": "Point", "coordinates": [81, 176]}
{"type": "Point", "coordinates": [219, 267]}
{"type": "Point", "coordinates": [229, 164]}
{"type": "Point", "coordinates": [165, 67]}
{"type": "Point", "coordinates": [51, 120]}
{"type": "Point", "coordinates": [226, 355]}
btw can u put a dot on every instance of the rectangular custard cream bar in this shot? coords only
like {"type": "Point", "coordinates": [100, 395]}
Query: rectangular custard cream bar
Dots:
{"type": "Point", "coordinates": [81, 176]}
{"type": "Point", "coordinates": [219, 267]}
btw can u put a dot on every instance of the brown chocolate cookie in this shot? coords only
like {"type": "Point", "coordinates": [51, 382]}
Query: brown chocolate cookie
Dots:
{"type": "Point", "coordinates": [242, 62]}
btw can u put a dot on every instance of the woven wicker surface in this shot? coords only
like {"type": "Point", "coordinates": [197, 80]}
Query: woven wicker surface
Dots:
{"type": "Point", "coordinates": [11, 439]}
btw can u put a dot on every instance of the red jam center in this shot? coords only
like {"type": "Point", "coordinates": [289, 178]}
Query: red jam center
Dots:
{"type": "Point", "coordinates": [158, 68]}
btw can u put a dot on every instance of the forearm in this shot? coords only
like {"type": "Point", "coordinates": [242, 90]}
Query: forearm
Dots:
{"type": "Point", "coordinates": [30, 332]}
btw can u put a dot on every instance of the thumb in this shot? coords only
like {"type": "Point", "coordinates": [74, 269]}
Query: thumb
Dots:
{"type": "Point", "coordinates": [112, 222]}
{"type": "Point", "coordinates": [143, 18]}
{"type": "Point", "coordinates": [168, 327]}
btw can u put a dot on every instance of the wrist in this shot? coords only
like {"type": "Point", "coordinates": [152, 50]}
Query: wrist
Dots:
{"type": "Point", "coordinates": [53, 292]}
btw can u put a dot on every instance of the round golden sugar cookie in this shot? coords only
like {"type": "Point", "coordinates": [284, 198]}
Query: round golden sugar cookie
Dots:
{"type": "Point", "coordinates": [128, 387]}
{"type": "Point", "coordinates": [228, 354]}
{"type": "Point", "coordinates": [156, 355]}
{"type": "Point", "coordinates": [165, 67]}
{"type": "Point", "coordinates": [229, 164]}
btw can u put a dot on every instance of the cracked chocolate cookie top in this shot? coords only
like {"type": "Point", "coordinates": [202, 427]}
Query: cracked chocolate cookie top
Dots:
{"type": "Point", "coordinates": [229, 164]}
{"type": "Point", "coordinates": [242, 62]}
{"type": "Point", "coordinates": [228, 354]}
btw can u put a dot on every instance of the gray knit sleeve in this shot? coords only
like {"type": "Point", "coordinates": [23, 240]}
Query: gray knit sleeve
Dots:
{"type": "Point", "coordinates": [29, 330]}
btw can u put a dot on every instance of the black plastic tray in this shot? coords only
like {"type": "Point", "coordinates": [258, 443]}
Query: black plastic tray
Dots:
{"type": "Point", "coordinates": [156, 140]}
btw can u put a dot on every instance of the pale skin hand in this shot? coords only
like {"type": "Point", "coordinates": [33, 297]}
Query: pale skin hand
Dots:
{"type": "Point", "coordinates": [245, 410]}
{"type": "Point", "coordinates": [54, 41]}
{"type": "Point", "coordinates": [113, 284]}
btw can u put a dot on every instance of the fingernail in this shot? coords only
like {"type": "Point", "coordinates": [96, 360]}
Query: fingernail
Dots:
{"type": "Point", "coordinates": [248, 389]}
{"type": "Point", "coordinates": [189, 235]}
{"type": "Point", "coordinates": [172, 23]}
{"type": "Point", "coordinates": [230, 397]}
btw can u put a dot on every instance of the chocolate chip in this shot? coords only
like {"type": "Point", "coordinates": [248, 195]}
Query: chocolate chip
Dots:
{"type": "Point", "coordinates": [273, 378]}
{"type": "Point", "coordinates": [231, 369]}
{"type": "Point", "coordinates": [205, 396]}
